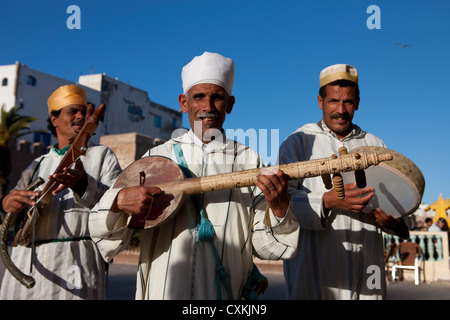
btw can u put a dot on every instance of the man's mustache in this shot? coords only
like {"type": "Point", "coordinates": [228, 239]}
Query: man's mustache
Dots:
{"type": "Point", "coordinates": [208, 115]}
{"type": "Point", "coordinates": [345, 116]}
{"type": "Point", "coordinates": [77, 123]}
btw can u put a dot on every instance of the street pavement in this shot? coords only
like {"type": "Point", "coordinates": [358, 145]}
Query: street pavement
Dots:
{"type": "Point", "coordinates": [122, 285]}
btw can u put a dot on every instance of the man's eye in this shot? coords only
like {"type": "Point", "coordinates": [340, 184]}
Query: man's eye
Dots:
{"type": "Point", "coordinates": [217, 98]}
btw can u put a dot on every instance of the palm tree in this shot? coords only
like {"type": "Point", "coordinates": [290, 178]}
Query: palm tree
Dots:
{"type": "Point", "coordinates": [12, 126]}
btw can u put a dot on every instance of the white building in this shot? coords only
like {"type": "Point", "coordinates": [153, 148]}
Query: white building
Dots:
{"type": "Point", "coordinates": [128, 109]}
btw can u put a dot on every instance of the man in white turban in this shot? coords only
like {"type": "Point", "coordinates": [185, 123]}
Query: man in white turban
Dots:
{"type": "Point", "coordinates": [206, 250]}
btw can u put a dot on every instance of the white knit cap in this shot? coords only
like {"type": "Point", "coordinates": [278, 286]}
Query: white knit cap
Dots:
{"type": "Point", "coordinates": [209, 68]}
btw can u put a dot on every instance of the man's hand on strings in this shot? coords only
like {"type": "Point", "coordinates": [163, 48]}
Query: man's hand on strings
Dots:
{"type": "Point", "coordinates": [136, 200]}
{"type": "Point", "coordinates": [355, 199]}
{"type": "Point", "coordinates": [274, 185]}
{"type": "Point", "coordinates": [69, 177]}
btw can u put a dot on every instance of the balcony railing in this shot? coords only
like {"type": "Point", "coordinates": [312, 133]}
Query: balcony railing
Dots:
{"type": "Point", "coordinates": [431, 243]}
{"type": "Point", "coordinates": [435, 252]}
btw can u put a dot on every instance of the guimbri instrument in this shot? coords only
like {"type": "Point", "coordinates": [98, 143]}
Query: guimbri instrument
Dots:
{"type": "Point", "coordinates": [25, 234]}
{"type": "Point", "coordinates": [164, 173]}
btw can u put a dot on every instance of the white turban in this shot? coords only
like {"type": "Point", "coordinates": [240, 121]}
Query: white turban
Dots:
{"type": "Point", "coordinates": [209, 68]}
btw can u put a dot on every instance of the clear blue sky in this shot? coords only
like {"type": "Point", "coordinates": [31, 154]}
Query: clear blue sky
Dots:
{"type": "Point", "coordinates": [279, 48]}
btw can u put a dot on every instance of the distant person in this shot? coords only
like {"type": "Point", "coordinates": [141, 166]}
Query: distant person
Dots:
{"type": "Point", "coordinates": [433, 227]}
{"type": "Point", "coordinates": [442, 224]}
{"type": "Point", "coordinates": [176, 261]}
{"type": "Point", "coordinates": [341, 249]}
{"type": "Point", "coordinates": [67, 264]}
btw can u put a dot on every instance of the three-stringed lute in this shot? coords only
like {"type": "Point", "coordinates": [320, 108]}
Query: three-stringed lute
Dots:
{"type": "Point", "coordinates": [166, 174]}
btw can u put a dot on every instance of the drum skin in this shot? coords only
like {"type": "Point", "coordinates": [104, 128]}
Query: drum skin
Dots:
{"type": "Point", "coordinates": [157, 170]}
{"type": "Point", "coordinates": [399, 184]}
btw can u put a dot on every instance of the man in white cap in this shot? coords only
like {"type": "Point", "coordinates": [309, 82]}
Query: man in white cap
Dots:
{"type": "Point", "coordinates": [339, 245]}
{"type": "Point", "coordinates": [66, 264]}
{"type": "Point", "coordinates": [178, 259]}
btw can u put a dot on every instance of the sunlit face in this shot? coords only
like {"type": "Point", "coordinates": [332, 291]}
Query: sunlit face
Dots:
{"type": "Point", "coordinates": [207, 106]}
{"type": "Point", "coordinates": [69, 122]}
{"type": "Point", "coordinates": [338, 108]}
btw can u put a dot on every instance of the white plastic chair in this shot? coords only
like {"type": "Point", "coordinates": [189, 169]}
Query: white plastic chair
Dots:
{"type": "Point", "coordinates": [410, 254]}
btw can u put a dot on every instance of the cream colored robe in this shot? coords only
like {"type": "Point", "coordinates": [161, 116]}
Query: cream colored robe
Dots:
{"type": "Point", "coordinates": [173, 263]}
{"type": "Point", "coordinates": [340, 257]}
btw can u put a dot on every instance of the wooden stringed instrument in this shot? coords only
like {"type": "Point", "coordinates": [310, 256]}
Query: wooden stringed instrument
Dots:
{"type": "Point", "coordinates": [164, 173]}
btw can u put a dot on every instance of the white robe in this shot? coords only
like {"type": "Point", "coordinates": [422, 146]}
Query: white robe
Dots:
{"type": "Point", "coordinates": [340, 257]}
{"type": "Point", "coordinates": [173, 263]}
{"type": "Point", "coordinates": [65, 270]}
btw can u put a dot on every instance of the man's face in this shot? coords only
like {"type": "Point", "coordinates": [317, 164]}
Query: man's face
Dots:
{"type": "Point", "coordinates": [207, 106]}
{"type": "Point", "coordinates": [338, 108]}
{"type": "Point", "coordinates": [69, 122]}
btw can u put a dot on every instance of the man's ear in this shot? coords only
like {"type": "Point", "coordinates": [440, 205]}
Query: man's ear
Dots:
{"type": "Point", "coordinates": [231, 101]}
{"type": "Point", "coordinates": [182, 99]}
{"type": "Point", "coordinates": [53, 120]}
{"type": "Point", "coordinates": [320, 101]}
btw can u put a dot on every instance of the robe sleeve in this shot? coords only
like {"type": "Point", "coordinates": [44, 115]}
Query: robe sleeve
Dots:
{"type": "Point", "coordinates": [308, 206]}
{"type": "Point", "coordinates": [273, 239]}
{"type": "Point", "coordinates": [108, 229]}
{"type": "Point", "coordinates": [110, 170]}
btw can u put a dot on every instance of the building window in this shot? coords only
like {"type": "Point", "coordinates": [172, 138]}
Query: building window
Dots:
{"type": "Point", "coordinates": [31, 80]}
{"type": "Point", "coordinates": [4, 82]}
{"type": "Point", "coordinates": [158, 122]}
{"type": "Point", "coordinates": [43, 137]}
{"type": "Point", "coordinates": [136, 111]}
{"type": "Point", "coordinates": [174, 123]}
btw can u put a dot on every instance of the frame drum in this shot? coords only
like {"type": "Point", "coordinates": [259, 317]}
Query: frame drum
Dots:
{"type": "Point", "coordinates": [153, 171]}
{"type": "Point", "coordinates": [398, 184]}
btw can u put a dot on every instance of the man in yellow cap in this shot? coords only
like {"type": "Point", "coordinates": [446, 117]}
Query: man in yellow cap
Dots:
{"type": "Point", "coordinates": [340, 253]}
{"type": "Point", "coordinates": [66, 264]}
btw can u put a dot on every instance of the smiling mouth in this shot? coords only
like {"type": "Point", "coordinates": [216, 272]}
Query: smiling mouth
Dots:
{"type": "Point", "coordinates": [207, 116]}
{"type": "Point", "coordinates": [206, 119]}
